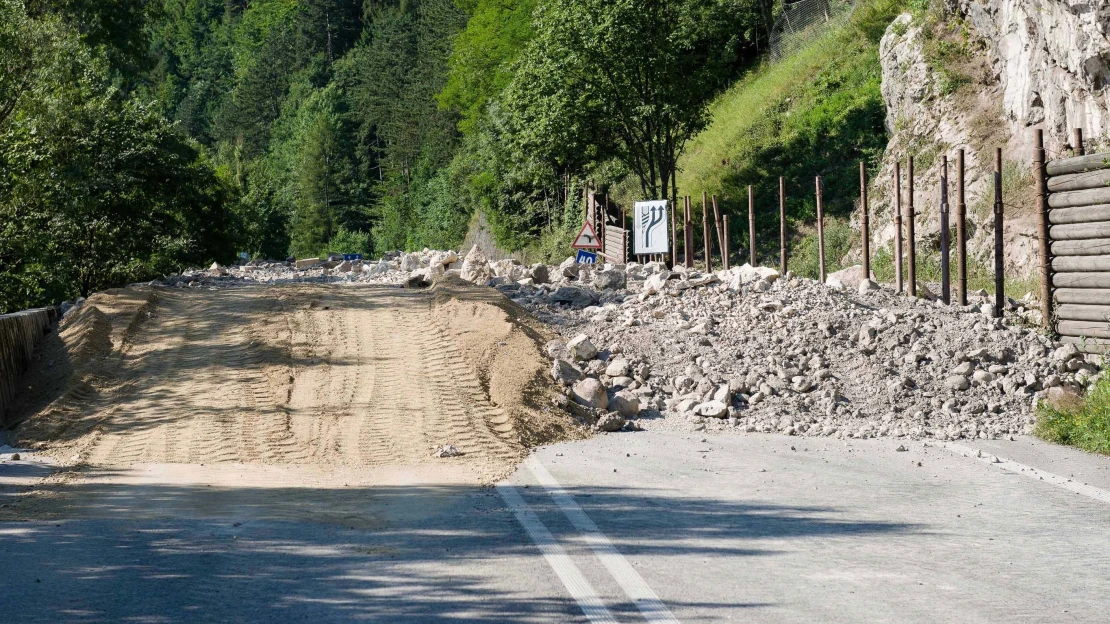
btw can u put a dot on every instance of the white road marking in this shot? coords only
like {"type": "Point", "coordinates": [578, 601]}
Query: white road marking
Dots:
{"type": "Point", "coordinates": [1031, 472]}
{"type": "Point", "coordinates": [638, 591]}
{"type": "Point", "coordinates": [579, 588]}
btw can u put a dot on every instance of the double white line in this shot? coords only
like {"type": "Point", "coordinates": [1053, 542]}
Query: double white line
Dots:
{"type": "Point", "coordinates": [580, 589]}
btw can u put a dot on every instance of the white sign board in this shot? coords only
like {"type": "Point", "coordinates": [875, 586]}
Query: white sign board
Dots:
{"type": "Point", "coordinates": [652, 232]}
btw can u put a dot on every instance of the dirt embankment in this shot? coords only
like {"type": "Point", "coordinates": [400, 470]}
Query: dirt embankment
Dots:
{"type": "Point", "coordinates": [298, 374]}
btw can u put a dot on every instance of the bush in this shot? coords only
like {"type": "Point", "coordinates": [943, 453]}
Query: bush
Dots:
{"type": "Point", "coordinates": [804, 256]}
{"type": "Point", "coordinates": [1086, 426]}
{"type": "Point", "coordinates": [349, 242]}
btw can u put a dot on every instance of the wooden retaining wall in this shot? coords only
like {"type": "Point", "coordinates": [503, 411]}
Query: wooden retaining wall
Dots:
{"type": "Point", "coordinates": [615, 244]}
{"type": "Point", "coordinates": [19, 333]}
{"type": "Point", "coordinates": [1078, 235]}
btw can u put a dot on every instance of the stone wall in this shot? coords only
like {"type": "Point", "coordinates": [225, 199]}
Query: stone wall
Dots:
{"type": "Point", "coordinates": [19, 333]}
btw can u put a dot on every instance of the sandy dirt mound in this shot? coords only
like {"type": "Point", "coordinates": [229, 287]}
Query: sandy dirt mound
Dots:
{"type": "Point", "coordinates": [298, 374]}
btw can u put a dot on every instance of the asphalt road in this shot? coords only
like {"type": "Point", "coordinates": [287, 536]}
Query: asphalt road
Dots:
{"type": "Point", "coordinates": [621, 528]}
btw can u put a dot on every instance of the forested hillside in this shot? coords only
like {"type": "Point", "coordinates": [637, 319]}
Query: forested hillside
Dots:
{"type": "Point", "coordinates": [138, 136]}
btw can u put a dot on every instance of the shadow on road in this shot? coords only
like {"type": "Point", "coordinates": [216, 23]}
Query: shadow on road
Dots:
{"type": "Point", "coordinates": [97, 551]}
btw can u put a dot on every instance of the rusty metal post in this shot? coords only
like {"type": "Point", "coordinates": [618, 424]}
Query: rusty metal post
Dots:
{"type": "Point", "coordinates": [720, 235]}
{"type": "Point", "coordinates": [945, 259]}
{"type": "Point", "coordinates": [751, 225]}
{"type": "Point", "coordinates": [865, 230]}
{"type": "Point", "coordinates": [898, 225]}
{"type": "Point", "coordinates": [1041, 189]}
{"type": "Point", "coordinates": [961, 232]}
{"type": "Point", "coordinates": [820, 230]}
{"type": "Point", "coordinates": [782, 226]}
{"type": "Point", "coordinates": [708, 242]}
{"type": "Point", "coordinates": [1078, 141]}
{"type": "Point", "coordinates": [999, 269]}
{"type": "Point", "coordinates": [688, 237]}
{"type": "Point", "coordinates": [674, 234]}
{"type": "Point", "coordinates": [911, 241]}
{"type": "Point", "coordinates": [725, 244]}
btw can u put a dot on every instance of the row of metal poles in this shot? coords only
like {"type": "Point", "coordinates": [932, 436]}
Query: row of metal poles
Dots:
{"type": "Point", "coordinates": [722, 231]}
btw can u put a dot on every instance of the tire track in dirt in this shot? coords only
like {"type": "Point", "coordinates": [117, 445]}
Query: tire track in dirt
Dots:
{"type": "Point", "coordinates": [302, 374]}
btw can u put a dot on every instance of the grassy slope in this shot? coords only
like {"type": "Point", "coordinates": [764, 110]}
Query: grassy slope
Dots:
{"type": "Point", "coordinates": [816, 112]}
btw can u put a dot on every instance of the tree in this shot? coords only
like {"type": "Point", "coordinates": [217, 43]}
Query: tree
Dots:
{"type": "Point", "coordinates": [96, 189]}
{"type": "Point", "coordinates": [481, 60]}
{"type": "Point", "coordinates": [628, 79]}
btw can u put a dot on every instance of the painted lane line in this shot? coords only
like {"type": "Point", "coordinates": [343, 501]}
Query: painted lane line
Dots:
{"type": "Point", "coordinates": [638, 591]}
{"type": "Point", "coordinates": [579, 588]}
{"type": "Point", "coordinates": [1071, 485]}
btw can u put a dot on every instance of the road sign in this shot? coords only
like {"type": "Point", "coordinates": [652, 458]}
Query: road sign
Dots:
{"type": "Point", "coordinates": [586, 257]}
{"type": "Point", "coordinates": [352, 256]}
{"type": "Point", "coordinates": [650, 225]}
{"type": "Point", "coordinates": [587, 238]}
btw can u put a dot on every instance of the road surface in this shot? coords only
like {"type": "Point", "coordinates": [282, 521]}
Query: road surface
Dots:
{"type": "Point", "coordinates": [266, 455]}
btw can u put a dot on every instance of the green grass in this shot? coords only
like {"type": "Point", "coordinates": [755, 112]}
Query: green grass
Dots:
{"type": "Point", "coordinates": [816, 112]}
{"type": "Point", "coordinates": [1086, 425]}
{"type": "Point", "coordinates": [928, 269]}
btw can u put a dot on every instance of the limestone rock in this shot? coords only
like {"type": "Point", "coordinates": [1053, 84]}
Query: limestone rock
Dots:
{"type": "Point", "coordinates": [475, 267]}
{"type": "Point", "coordinates": [580, 348]}
{"type": "Point", "coordinates": [591, 393]}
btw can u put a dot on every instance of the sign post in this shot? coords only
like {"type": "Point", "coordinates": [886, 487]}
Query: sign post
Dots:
{"type": "Point", "coordinates": [650, 227]}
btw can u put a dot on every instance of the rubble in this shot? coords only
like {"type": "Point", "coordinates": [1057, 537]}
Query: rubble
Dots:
{"type": "Point", "coordinates": [750, 350]}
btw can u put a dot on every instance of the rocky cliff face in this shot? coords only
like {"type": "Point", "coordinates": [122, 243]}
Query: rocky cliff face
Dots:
{"type": "Point", "coordinates": [1018, 65]}
{"type": "Point", "coordinates": [1052, 59]}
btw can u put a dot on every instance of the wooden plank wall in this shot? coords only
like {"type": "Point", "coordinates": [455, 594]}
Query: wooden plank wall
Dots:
{"type": "Point", "coordinates": [19, 333]}
{"type": "Point", "coordinates": [1079, 251]}
{"type": "Point", "coordinates": [615, 244]}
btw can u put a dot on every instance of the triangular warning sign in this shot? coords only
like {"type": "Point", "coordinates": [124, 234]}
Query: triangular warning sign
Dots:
{"type": "Point", "coordinates": [587, 238]}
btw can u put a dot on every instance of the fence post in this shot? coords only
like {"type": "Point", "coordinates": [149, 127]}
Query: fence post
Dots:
{"type": "Point", "coordinates": [945, 259]}
{"type": "Point", "coordinates": [687, 235]}
{"type": "Point", "coordinates": [782, 226]}
{"type": "Point", "coordinates": [1078, 147]}
{"type": "Point", "coordinates": [751, 225]}
{"type": "Point", "coordinates": [1041, 189]}
{"type": "Point", "coordinates": [865, 230]}
{"type": "Point", "coordinates": [961, 232]}
{"type": "Point", "coordinates": [911, 257]}
{"type": "Point", "coordinates": [720, 238]}
{"type": "Point", "coordinates": [898, 225]}
{"type": "Point", "coordinates": [999, 276]}
{"type": "Point", "coordinates": [725, 245]}
{"type": "Point", "coordinates": [820, 230]}
{"type": "Point", "coordinates": [674, 234]}
{"type": "Point", "coordinates": [708, 242]}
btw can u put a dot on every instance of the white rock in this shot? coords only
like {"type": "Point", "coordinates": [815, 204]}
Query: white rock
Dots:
{"type": "Point", "coordinates": [475, 267]}
{"type": "Point", "coordinates": [591, 393]}
{"type": "Point", "coordinates": [580, 348]}
{"type": "Point", "coordinates": [711, 409]}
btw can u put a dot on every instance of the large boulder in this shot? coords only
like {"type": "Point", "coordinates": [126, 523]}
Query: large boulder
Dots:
{"type": "Point", "coordinates": [610, 280]}
{"type": "Point", "coordinates": [575, 297]}
{"type": "Point", "coordinates": [655, 283]}
{"type": "Point", "coordinates": [846, 279]}
{"type": "Point", "coordinates": [410, 262]}
{"type": "Point", "coordinates": [564, 372]}
{"type": "Point", "coordinates": [475, 267]}
{"type": "Point", "coordinates": [625, 403]}
{"type": "Point", "coordinates": [591, 393]}
{"type": "Point", "coordinates": [569, 268]}
{"type": "Point", "coordinates": [540, 274]}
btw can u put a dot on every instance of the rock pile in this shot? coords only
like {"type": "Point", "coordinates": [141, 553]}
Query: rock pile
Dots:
{"type": "Point", "coordinates": [754, 351]}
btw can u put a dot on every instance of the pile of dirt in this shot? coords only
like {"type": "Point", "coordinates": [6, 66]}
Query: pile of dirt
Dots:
{"type": "Point", "coordinates": [302, 374]}
{"type": "Point", "coordinates": [75, 369]}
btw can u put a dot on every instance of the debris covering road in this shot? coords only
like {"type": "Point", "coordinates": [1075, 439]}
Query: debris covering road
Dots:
{"type": "Point", "coordinates": [750, 350]}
